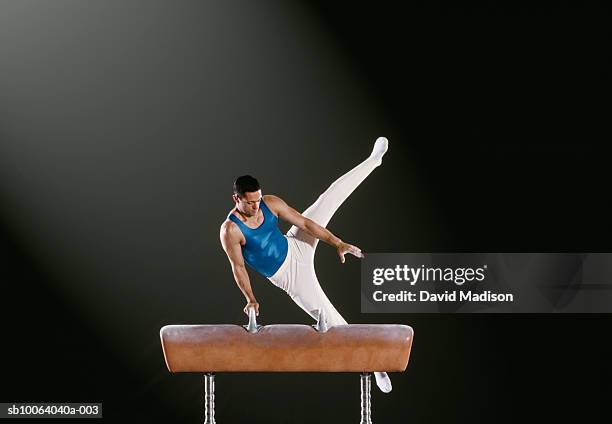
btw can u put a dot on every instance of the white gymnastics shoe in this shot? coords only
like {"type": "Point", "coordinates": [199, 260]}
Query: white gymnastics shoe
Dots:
{"type": "Point", "coordinates": [380, 148]}
{"type": "Point", "coordinates": [383, 382]}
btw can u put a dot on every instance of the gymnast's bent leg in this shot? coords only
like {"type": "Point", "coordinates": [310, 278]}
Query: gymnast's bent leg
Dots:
{"type": "Point", "coordinates": [300, 282]}
{"type": "Point", "coordinates": [305, 289]}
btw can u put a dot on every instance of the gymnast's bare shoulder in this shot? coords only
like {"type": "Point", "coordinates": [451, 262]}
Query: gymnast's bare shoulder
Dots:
{"type": "Point", "coordinates": [277, 205]}
{"type": "Point", "coordinates": [229, 233]}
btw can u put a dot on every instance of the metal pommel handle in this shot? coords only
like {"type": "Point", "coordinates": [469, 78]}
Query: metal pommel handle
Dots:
{"type": "Point", "coordinates": [321, 325]}
{"type": "Point", "coordinates": [252, 326]}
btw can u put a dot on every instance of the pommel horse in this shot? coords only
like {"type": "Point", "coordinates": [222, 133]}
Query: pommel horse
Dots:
{"type": "Point", "coordinates": [362, 348]}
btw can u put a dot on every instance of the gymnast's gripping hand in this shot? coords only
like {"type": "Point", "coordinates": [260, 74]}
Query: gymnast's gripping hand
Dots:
{"type": "Point", "coordinates": [343, 248]}
{"type": "Point", "coordinates": [249, 305]}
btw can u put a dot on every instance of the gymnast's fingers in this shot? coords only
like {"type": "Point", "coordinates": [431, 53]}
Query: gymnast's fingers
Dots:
{"type": "Point", "coordinates": [355, 251]}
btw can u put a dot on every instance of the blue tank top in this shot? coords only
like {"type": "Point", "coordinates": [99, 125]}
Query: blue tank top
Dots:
{"type": "Point", "coordinates": [265, 249]}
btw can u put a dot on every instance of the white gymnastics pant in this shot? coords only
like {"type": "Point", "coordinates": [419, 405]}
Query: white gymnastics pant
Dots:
{"type": "Point", "coordinates": [296, 276]}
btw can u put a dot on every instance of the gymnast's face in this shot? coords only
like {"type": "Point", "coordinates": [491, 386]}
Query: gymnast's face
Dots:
{"type": "Point", "coordinates": [249, 203]}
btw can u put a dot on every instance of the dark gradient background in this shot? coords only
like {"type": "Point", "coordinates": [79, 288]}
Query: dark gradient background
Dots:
{"type": "Point", "coordinates": [124, 123]}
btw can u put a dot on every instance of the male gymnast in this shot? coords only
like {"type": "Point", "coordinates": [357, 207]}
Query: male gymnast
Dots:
{"type": "Point", "coordinates": [250, 234]}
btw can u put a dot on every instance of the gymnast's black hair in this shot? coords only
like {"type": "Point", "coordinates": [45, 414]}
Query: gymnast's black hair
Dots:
{"type": "Point", "coordinates": [245, 184]}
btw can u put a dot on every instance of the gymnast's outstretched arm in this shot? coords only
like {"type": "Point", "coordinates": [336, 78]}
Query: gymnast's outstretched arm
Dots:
{"type": "Point", "coordinates": [293, 217]}
{"type": "Point", "coordinates": [230, 240]}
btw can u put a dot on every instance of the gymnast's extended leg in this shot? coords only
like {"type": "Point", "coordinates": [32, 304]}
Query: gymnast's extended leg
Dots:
{"type": "Point", "coordinates": [328, 203]}
{"type": "Point", "coordinates": [305, 289]}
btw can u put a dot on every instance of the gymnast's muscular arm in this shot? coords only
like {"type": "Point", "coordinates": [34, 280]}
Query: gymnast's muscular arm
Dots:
{"type": "Point", "coordinates": [230, 240]}
{"type": "Point", "coordinates": [287, 213]}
